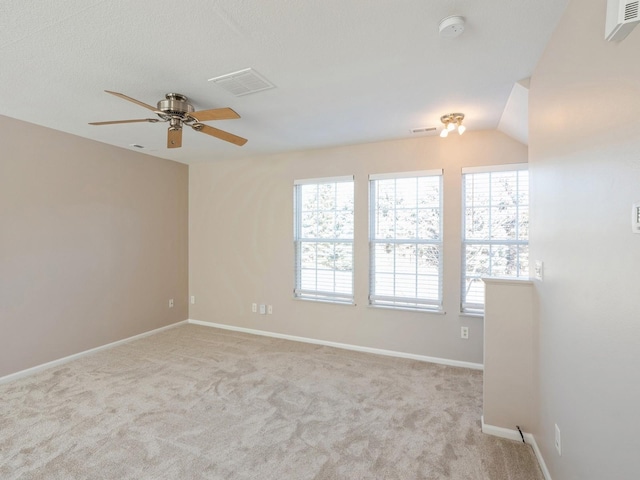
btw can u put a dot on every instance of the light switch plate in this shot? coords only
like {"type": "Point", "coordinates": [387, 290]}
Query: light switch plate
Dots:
{"type": "Point", "coordinates": [539, 270]}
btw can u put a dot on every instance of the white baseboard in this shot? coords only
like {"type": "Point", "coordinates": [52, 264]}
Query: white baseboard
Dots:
{"type": "Point", "coordinates": [515, 435]}
{"type": "Point", "coordinates": [500, 431]}
{"type": "Point", "coordinates": [536, 450]}
{"type": "Point", "coordinates": [60, 361]}
{"type": "Point", "coordinates": [344, 346]}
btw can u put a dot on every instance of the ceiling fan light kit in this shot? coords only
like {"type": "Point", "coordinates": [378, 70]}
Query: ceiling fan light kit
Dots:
{"type": "Point", "coordinates": [176, 109]}
{"type": "Point", "coordinates": [452, 121]}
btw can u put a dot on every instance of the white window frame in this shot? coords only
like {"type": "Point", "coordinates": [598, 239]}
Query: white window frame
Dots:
{"type": "Point", "coordinates": [331, 296]}
{"type": "Point", "coordinates": [398, 302]}
{"type": "Point", "coordinates": [472, 308]}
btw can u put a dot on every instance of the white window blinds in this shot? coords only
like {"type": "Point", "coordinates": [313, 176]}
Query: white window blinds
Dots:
{"type": "Point", "coordinates": [323, 239]}
{"type": "Point", "coordinates": [495, 228]}
{"type": "Point", "coordinates": [406, 240]}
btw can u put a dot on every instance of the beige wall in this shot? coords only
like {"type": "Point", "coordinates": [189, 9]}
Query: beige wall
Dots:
{"type": "Point", "coordinates": [93, 243]}
{"type": "Point", "coordinates": [507, 400]}
{"type": "Point", "coordinates": [585, 175]}
{"type": "Point", "coordinates": [241, 243]}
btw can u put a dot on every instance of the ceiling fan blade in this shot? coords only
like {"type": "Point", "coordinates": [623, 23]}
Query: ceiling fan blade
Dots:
{"type": "Point", "coordinates": [138, 102]}
{"type": "Point", "coordinates": [214, 114]}
{"type": "Point", "coordinates": [221, 134]}
{"type": "Point", "coordinates": [152, 120]}
{"type": "Point", "coordinates": [174, 138]}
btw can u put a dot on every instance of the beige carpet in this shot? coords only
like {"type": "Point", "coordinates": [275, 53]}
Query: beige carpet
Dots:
{"type": "Point", "coordinates": [200, 403]}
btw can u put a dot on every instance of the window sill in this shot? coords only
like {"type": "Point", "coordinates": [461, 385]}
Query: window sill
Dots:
{"type": "Point", "coordinates": [471, 315]}
{"type": "Point", "coordinates": [327, 302]}
{"type": "Point", "coordinates": [409, 309]}
{"type": "Point", "coordinates": [508, 280]}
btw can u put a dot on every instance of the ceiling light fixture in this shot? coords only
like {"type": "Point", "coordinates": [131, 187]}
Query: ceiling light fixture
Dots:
{"type": "Point", "coordinates": [451, 122]}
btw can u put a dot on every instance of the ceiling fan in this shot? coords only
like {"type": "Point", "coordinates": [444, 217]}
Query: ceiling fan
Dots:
{"type": "Point", "coordinates": [176, 110]}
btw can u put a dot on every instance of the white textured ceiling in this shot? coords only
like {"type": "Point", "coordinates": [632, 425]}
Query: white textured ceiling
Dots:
{"type": "Point", "coordinates": [346, 71]}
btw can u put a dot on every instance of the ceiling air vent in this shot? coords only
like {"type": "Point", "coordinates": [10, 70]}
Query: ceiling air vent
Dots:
{"type": "Point", "coordinates": [243, 82]}
{"type": "Point", "coordinates": [631, 11]}
{"type": "Point", "coordinates": [423, 130]}
{"type": "Point", "coordinates": [622, 17]}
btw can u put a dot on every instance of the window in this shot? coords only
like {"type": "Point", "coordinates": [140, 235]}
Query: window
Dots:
{"type": "Point", "coordinates": [406, 240]}
{"type": "Point", "coordinates": [323, 239]}
{"type": "Point", "coordinates": [495, 228]}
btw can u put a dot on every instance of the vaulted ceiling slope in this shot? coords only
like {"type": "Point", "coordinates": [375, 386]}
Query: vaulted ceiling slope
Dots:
{"type": "Point", "coordinates": [345, 72]}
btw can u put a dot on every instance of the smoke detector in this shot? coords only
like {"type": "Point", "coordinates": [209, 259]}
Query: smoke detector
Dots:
{"type": "Point", "coordinates": [451, 27]}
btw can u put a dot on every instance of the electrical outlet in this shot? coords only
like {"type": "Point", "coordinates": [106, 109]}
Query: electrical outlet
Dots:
{"type": "Point", "coordinates": [464, 333]}
{"type": "Point", "coordinates": [558, 442]}
{"type": "Point", "coordinates": [171, 303]}
{"type": "Point", "coordinates": [263, 309]}
{"type": "Point", "coordinates": [254, 307]}
{"type": "Point", "coordinates": [270, 309]}
{"type": "Point", "coordinates": [193, 299]}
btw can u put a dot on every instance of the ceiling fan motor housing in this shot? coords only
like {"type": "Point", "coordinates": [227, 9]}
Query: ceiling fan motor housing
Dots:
{"type": "Point", "coordinates": [175, 104]}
